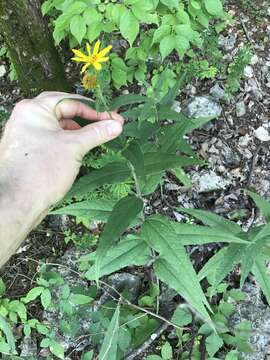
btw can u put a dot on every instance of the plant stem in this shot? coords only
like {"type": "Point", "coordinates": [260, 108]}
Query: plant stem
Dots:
{"type": "Point", "coordinates": [137, 186]}
{"type": "Point", "coordinates": [100, 95]}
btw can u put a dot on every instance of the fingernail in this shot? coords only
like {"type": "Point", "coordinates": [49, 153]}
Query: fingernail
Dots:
{"type": "Point", "coordinates": [113, 128]}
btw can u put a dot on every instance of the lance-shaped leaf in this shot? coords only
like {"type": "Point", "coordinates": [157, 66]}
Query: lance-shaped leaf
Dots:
{"type": "Point", "coordinates": [108, 349]}
{"type": "Point", "coordinates": [133, 153]}
{"type": "Point", "coordinates": [132, 251]}
{"type": "Point", "coordinates": [190, 234]}
{"type": "Point", "coordinates": [128, 99]}
{"type": "Point", "coordinates": [261, 274]}
{"type": "Point", "coordinates": [158, 161]}
{"type": "Point", "coordinates": [174, 267]}
{"type": "Point", "coordinates": [109, 174]}
{"type": "Point", "coordinates": [124, 212]}
{"type": "Point", "coordinates": [5, 327]}
{"type": "Point", "coordinates": [262, 204]}
{"type": "Point", "coordinates": [213, 220]}
{"type": "Point", "coordinates": [98, 209]}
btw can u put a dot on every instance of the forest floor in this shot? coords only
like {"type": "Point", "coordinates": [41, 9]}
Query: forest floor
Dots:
{"type": "Point", "coordinates": [236, 146]}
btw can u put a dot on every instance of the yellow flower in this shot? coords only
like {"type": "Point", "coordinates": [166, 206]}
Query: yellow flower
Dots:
{"type": "Point", "coordinates": [94, 58]}
{"type": "Point", "coordinates": [89, 81]}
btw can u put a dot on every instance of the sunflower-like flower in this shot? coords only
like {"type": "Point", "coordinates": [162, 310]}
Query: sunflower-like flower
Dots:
{"type": "Point", "coordinates": [89, 81]}
{"type": "Point", "coordinates": [94, 58]}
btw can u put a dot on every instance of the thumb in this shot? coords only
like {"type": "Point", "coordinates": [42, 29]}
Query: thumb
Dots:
{"type": "Point", "coordinates": [94, 135]}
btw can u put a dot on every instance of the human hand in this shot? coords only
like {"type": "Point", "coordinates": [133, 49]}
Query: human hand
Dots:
{"type": "Point", "coordinates": [44, 146]}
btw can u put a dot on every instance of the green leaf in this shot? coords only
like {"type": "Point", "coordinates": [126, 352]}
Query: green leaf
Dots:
{"type": "Point", "coordinates": [78, 27]}
{"type": "Point", "coordinates": [261, 274]}
{"type": "Point", "coordinates": [4, 326]}
{"type": "Point", "coordinates": [167, 45]}
{"type": "Point", "coordinates": [128, 99]}
{"type": "Point", "coordinates": [108, 349]}
{"type": "Point", "coordinates": [57, 349]}
{"type": "Point", "coordinates": [129, 26]}
{"type": "Point", "coordinates": [174, 266]}
{"type": "Point", "coordinates": [153, 357]}
{"type": "Point", "coordinates": [80, 299]}
{"type": "Point", "coordinates": [46, 298]}
{"type": "Point", "coordinates": [133, 251]}
{"type": "Point", "coordinates": [213, 344]}
{"type": "Point", "coordinates": [181, 44]}
{"type": "Point", "coordinates": [96, 209]}
{"type": "Point", "coordinates": [157, 161]}
{"type": "Point", "coordinates": [262, 204]}
{"type": "Point", "coordinates": [94, 31]}
{"type": "Point", "coordinates": [181, 317]}
{"type": "Point", "coordinates": [171, 3]}
{"type": "Point", "coordinates": [214, 7]}
{"type": "Point", "coordinates": [109, 174]}
{"type": "Point", "coordinates": [213, 220]}
{"type": "Point", "coordinates": [166, 351]}
{"type": "Point", "coordinates": [124, 338]}
{"type": "Point", "coordinates": [88, 355]}
{"type": "Point", "coordinates": [134, 154]}
{"type": "Point", "coordinates": [33, 294]}
{"type": "Point", "coordinates": [124, 212]}
{"type": "Point", "coordinates": [189, 234]}
{"type": "Point", "coordinates": [91, 16]}
{"type": "Point", "coordinates": [160, 33]}
{"type": "Point", "coordinates": [2, 287]}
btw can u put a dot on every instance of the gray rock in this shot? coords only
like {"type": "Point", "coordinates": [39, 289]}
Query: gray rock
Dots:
{"type": "Point", "coordinates": [240, 109]}
{"type": "Point", "coordinates": [217, 92]}
{"type": "Point", "coordinates": [59, 222]}
{"type": "Point", "coordinates": [122, 281]}
{"type": "Point", "coordinates": [29, 347]}
{"type": "Point", "coordinates": [227, 42]}
{"type": "Point", "coordinates": [262, 134]}
{"type": "Point", "coordinates": [208, 181]}
{"type": "Point", "coordinates": [202, 106]}
{"type": "Point", "coordinates": [254, 310]}
{"type": "Point", "coordinates": [248, 71]}
{"type": "Point", "coordinates": [230, 157]}
{"type": "Point", "coordinates": [2, 70]}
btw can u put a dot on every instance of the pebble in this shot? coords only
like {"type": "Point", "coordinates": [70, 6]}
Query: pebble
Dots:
{"type": "Point", "coordinates": [240, 109]}
{"type": "Point", "coordinates": [254, 60]}
{"type": "Point", "coordinates": [2, 70]}
{"type": "Point", "coordinates": [202, 106]}
{"type": "Point", "coordinates": [217, 92]}
{"type": "Point", "coordinates": [262, 134]}
{"type": "Point", "coordinates": [248, 71]}
{"type": "Point", "coordinates": [208, 181]}
{"type": "Point", "coordinates": [227, 42]}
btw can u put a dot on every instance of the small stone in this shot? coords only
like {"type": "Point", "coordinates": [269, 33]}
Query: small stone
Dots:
{"type": "Point", "coordinates": [244, 140]}
{"type": "Point", "coordinates": [208, 181]}
{"type": "Point", "coordinates": [230, 157]}
{"type": "Point", "coordinates": [254, 60]}
{"type": "Point", "coordinates": [240, 109]}
{"type": "Point", "coordinates": [217, 92]}
{"type": "Point", "coordinates": [202, 106]}
{"type": "Point", "coordinates": [227, 42]}
{"type": "Point", "coordinates": [2, 70]}
{"type": "Point", "coordinates": [248, 71]}
{"type": "Point", "coordinates": [262, 134]}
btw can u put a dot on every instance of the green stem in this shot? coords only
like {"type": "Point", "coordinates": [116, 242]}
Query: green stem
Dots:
{"type": "Point", "coordinates": [100, 95]}
{"type": "Point", "coordinates": [137, 186]}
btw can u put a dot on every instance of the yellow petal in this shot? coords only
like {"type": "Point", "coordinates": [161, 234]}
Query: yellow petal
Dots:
{"type": "Point", "coordinates": [79, 53]}
{"type": "Point", "coordinates": [85, 67]}
{"type": "Point", "coordinates": [96, 48]}
{"type": "Point", "coordinates": [78, 59]}
{"type": "Point", "coordinates": [104, 51]}
{"type": "Point", "coordinates": [97, 65]}
{"type": "Point", "coordinates": [103, 59]}
{"type": "Point", "coordinates": [88, 48]}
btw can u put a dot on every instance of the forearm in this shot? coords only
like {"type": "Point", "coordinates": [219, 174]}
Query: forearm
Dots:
{"type": "Point", "coordinates": [21, 209]}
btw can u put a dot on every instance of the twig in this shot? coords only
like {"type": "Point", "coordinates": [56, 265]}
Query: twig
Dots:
{"type": "Point", "coordinates": [202, 348]}
{"type": "Point", "coordinates": [132, 355]}
{"type": "Point", "coordinates": [253, 164]}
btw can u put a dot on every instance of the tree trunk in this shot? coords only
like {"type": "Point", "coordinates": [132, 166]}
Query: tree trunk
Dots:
{"type": "Point", "coordinates": [31, 47]}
